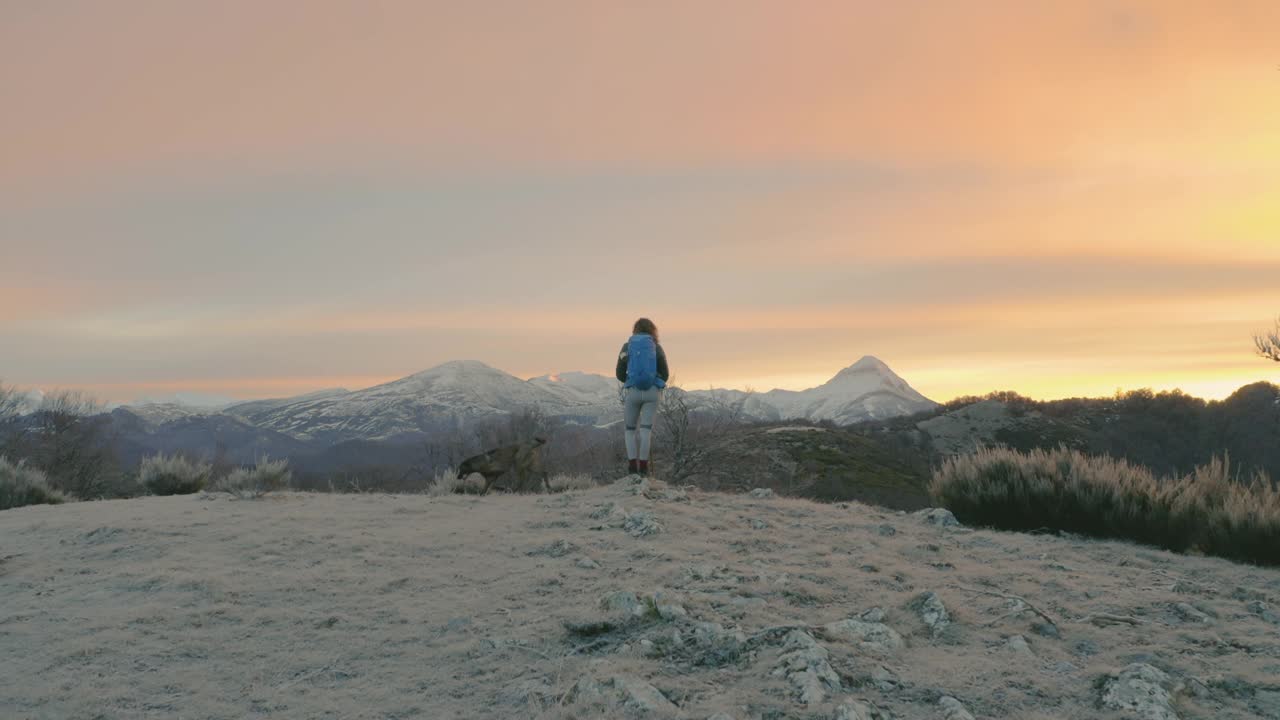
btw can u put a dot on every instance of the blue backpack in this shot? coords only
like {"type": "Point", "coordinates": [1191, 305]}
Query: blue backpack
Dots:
{"type": "Point", "coordinates": [642, 362]}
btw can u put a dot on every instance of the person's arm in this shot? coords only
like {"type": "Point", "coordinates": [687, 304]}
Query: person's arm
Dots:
{"type": "Point", "coordinates": [621, 371]}
{"type": "Point", "coordinates": [662, 365]}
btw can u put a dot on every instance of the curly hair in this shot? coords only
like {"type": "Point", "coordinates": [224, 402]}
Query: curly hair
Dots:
{"type": "Point", "coordinates": [646, 326]}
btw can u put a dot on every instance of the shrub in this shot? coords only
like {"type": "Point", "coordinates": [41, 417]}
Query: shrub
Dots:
{"type": "Point", "coordinates": [1207, 511]}
{"type": "Point", "coordinates": [267, 476]}
{"type": "Point", "coordinates": [21, 485]}
{"type": "Point", "coordinates": [173, 475]}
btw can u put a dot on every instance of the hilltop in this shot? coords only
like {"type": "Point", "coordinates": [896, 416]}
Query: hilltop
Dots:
{"type": "Point", "coordinates": [630, 600]}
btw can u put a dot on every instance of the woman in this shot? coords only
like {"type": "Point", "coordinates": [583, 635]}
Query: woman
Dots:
{"type": "Point", "coordinates": [642, 370]}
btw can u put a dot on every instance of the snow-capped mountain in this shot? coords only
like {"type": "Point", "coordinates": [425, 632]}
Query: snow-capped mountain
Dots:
{"type": "Point", "coordinates": [866, 390]}
{"type": "Point", "coordinates": [452, 396]}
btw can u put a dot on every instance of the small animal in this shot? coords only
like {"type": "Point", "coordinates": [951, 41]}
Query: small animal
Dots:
{"type": "Point", "coordinates": [524, 459]}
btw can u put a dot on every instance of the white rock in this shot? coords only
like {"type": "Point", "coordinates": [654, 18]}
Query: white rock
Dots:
{"type": "Point", "coordinates": [1018, 645]}
{"type": "Point", "coordinates": [952, 709]}
{"type": "Point", "coordinates": [805, 663]}
{"type": "Point", "coordinates": [941, 517]}
{"type": "Point", "coordinates": [873, 636]}
{"type": "Point", "coordinates": [1190, 613]}
{"type": "Point", "coordinates": [1142, 689]}
{"type": "Point", "coordinates": [933, 612]}
{"type": "Point", "coordinates": [761, 493]}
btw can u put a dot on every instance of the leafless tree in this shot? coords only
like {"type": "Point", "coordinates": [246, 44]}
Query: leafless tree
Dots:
{"type": "Point", "coordinates": [691, 424]}
{"type": "Point", "coordinates": [12, 403]}
{"type": "Point", "coordinates": [1268, 343]}
{"type": "Point", "coordinates": [67, 439]}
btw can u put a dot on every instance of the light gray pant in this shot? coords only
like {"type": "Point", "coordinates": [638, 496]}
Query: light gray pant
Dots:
{"type": "Point", "coordinates": [639, 407]}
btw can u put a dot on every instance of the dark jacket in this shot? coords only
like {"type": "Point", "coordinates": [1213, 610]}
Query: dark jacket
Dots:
{"type": "Point", "coordinates": [621, 371]}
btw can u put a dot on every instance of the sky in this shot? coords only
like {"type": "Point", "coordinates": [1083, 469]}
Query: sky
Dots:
{"type": "Point", "coordinates": [264, 198]}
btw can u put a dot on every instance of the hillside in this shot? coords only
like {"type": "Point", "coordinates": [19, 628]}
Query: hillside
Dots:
{"type": "Point", "coordinates": [621, 601]}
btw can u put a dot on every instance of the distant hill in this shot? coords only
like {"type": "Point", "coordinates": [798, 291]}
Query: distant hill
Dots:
{"type": "Point", "coordinates": [1169, 432]}
{"type": "Point", "coordinates": [455, 397]}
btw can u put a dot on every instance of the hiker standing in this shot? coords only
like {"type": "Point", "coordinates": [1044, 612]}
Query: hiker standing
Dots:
{"type": "Point", "coordinates": [642, 370]}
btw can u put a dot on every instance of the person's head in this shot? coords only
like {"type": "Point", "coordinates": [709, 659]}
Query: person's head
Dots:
{"type": "Point", "coordinates": [646, 326]}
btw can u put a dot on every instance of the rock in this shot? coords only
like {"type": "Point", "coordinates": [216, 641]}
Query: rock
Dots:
{"type": "Point", "coordinates": [941, 517]}
{"type": "Point", "coordinates": [640, 695]}
{"type": "Point", "coordinates": [667, 607]}
{"type": "Point", "coordinates": [587, 563]}
{"type": "Point", "coordinates": [884, 679]}
{"type": "Point", "coordinates": [559, 548]}
{"type": "Point", "coordinates": [535, 694]}
{"type": "Point", "coordinates": [1264, 611]}
{"type": "Point", "coordinates": [669, 495]}
{"type": "Point", "coordinates": [933, 613]}
{"type": "Point", "coordinates": [717, 646]}
{"type": "Point", "coordinates": [860, 710]}
{"type": "Point", "coordinates": [707, 572]}
{"type": "Point", "coordinates": [744, 601]}
{"type": "Point", "coordinates": [805, 663]}
{"type": "Point", "coordinates": [625, 692]}
{"type": "Point", "coordinates": [1044, 629]}
{"type": "Point", "coordinates": [761, 493]}
{"type": "Point", "coordinates": [952, 709]}
{"type": "Point", "coordinates": [639, 486]}
{"type": "Point", "coordinates": [873, 615]}
{"type": "Point", "coordinates": [1017, 644]}
{"type": "Point", "coordinates": [641, 524]}
{"type": "Point", "coordinates": [1189, 613]}
{"type": "Point", "coordinates": [757, 524]}
{"type": "Point", "coordinates": [1141, 689]}
{"type": "Point", "coordinates": [872, 636]}
{"type": "Point", "coordinates": [1085, 648]}
{"type": "Point", "coordinates": [887, 530]}
{"type": "Point", "coordinates": [624, 603]}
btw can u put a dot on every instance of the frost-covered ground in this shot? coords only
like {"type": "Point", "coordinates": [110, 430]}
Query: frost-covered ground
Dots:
{"type": "Point", "coordinates": [628, 600]}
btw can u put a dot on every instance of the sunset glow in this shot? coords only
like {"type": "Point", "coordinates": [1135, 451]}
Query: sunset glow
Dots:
{"type": "Point", "coordinates": [254, 201]}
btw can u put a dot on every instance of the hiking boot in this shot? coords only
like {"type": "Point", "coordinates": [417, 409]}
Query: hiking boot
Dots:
{"type": "Point", "coordinates": [644, 467]}
{"type": "Point", "coordinates": [632, 467]}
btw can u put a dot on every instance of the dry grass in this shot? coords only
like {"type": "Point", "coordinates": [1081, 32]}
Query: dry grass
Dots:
{"type": "Point", "coordinates": [446, 482]}
{"type": "Point", "coordinates": [21, 485]}
{"type": "Point", "coordinates": [267, 476]}
{"type": "Point", "coordinates": [565, 482]}
{"type": "Point", "coordinates": [1207, 511]}
{"type": "Point", "coordinates": [173, 475]}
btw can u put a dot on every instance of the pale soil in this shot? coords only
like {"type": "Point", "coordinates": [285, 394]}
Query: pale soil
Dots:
{"type": "Point", "coordinates": [376, 606]}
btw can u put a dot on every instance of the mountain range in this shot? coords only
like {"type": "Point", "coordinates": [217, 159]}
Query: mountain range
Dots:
{"type": "Point", "coordinates": [454, 396]}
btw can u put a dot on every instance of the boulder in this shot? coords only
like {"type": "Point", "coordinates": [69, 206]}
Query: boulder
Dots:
{"type": "Point", "coordinates": [933, 613]}
{"type": "Point", "coordinates": [953, 709]}
{"type": "Point", "coordinates": [872, 636]}
{"type": "Point", "coordinates": [1143, 690]}
{"type": "Point", "coordinates": [941, 517]}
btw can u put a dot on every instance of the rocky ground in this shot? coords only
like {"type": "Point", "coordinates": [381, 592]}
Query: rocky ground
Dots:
{"type": "Point", "coordinates": [632, 600]}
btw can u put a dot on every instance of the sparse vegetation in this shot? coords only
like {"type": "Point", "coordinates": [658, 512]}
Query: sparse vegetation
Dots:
{"type": "Point", "coordinates": [173, 475]}
{"type": "Point", "coordinates": [264, 477]}
{"type": "Point", "coordinates": [567, 482]}
{"type": "Point", "coordinates": [1208, 511]}
{"type": "Point", "coordinates": [1268, 343]}
{"type": "Point", "coordinates": [22, 485]}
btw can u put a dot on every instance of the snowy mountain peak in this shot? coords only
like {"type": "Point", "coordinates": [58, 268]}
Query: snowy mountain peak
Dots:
{"type": "Point", "coordinates": [865, 367]}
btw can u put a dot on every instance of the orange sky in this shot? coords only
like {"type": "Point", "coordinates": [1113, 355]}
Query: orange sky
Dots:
{"type": "Point", "coordinates": [250, 199]}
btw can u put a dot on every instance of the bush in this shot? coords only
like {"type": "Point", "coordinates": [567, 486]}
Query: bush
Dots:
{"type": "Point", "coordinates": [1207, 511]}
{"type": "Point", "coordinates": [173, 475]}
{"type": "Point", "coordinates": [21, 485]}
{"type": "Point", "coordinates": [267, 476]}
